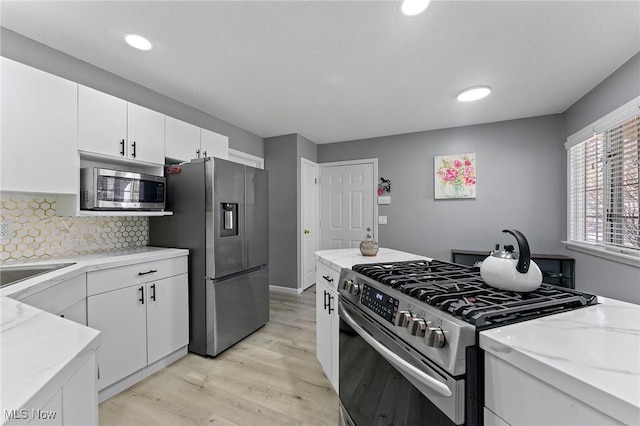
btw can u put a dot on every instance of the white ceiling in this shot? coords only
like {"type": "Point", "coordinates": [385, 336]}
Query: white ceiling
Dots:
{"type": "Point", "coordinates": [342, 70]}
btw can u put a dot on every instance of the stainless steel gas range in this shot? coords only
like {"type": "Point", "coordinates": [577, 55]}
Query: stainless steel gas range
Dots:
{"type": "Point", "coordinates": [408, 339]}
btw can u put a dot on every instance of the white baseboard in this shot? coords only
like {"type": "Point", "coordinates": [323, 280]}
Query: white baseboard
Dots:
{"type": "Point", "coordinates": [288, 290]}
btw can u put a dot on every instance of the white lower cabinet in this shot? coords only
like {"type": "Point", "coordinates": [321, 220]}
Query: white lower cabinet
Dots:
{"type": "Point", "coordinates": [120, 315]}
{"type": "Point", "coordinates": [515, 397]}
{"type": "Point", "coordinates": [76, 404]}
{"type": "Point", "coordinates": [66, 299]}
{"type": "Point", "coordinates": [142, 314]}
{"type": "Point", "coordinates": [167, 317]}
{"type": "Point", "coordinates": [327, 321]}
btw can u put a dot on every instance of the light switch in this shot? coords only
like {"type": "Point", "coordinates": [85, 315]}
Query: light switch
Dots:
{"type": "Point", "coordinates": [382, 220]}
{"type": "Point", "coordinates": [384, 199]}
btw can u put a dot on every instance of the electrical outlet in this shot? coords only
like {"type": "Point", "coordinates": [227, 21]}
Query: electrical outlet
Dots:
{"type": "Point", "coordinates": [5, 231]}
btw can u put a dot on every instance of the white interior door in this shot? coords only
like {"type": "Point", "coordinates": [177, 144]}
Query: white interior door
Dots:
{"type": "Point", "coordinates": [347, 205]}
{"type": "Point", "coordinates": [309, 171]}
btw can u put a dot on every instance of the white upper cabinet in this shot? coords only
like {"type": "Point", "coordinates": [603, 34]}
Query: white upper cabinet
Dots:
{"type": "Point", "coordinates": [145, 134]}
{"type": "Point", "coordinates": [182, 140]}
{"type": "Point", "coordinates": [213, 144]}
{"type": "Point", "coordinates": [39, 145]}
{"type": "Point", "coordinates": [112, 127]}
{"type": "Point", "coordinates": [102, 123]}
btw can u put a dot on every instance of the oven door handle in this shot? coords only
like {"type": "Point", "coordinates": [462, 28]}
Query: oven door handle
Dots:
{"type": "Point", "coordinates": [394, 359]}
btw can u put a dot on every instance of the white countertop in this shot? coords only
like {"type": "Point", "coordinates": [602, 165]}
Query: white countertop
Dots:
{"type": "Point", "coordinates": [41, 351]}
{"type": "Point", "coordinates": [592, 354]}
{"type": "Point", "coordinates": [346, 258]}
{"type": "Point", "coordinates": [83, 264]}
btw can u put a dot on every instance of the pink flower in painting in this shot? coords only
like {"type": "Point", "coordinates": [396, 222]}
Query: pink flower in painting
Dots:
{"type": "Point", "coordinates": [450, 175]}
{"type": "Point", "coordinates": [457, 164]}
{"type": "Point", "coordinates": [467, 162]}
{"type": "Point", "coordinates": [469, 171]}
{"type": "Point", "coordinates": [469, 181]}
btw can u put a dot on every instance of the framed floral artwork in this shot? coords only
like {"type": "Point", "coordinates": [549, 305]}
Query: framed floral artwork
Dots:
{"type": "Point", "coordinates": [455, 176]}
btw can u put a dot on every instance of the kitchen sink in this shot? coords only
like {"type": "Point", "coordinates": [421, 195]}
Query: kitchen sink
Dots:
{"type": "Point", "coordinates": [16, 273]}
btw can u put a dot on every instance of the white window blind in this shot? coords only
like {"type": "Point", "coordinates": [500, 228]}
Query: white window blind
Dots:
{"type": "Point", "coordinates": [603, 186]}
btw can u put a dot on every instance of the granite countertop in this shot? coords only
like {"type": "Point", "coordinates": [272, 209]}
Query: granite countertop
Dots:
{"type": "Point", "coordinates": [346, 258]}
{"type": "Point", "coordinates": [592, 354]}
{"type": "Point", "coordinates": [41, 351]}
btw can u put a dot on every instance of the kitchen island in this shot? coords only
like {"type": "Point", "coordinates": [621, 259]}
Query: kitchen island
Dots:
{"type": "Point", "coordinates": [573, 368]}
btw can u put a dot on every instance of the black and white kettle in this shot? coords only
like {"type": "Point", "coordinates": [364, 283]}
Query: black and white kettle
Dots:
{"type": "Point", "coordinates": [508, 271]}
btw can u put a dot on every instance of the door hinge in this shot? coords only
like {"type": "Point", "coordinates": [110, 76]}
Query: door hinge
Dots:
{"type": "Point", "coordinates": [315, 180]}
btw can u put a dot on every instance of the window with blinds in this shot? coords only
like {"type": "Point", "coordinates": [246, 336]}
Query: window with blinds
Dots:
{"type": "Point", "coordinates": [603, 187]}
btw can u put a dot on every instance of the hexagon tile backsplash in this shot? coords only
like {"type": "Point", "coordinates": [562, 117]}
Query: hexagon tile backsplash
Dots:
{"type": "Point", "coordinates": [37, 233]}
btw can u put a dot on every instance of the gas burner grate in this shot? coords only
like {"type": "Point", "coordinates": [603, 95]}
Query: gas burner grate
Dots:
{"type": "Point", "coordinates": [460, 291]}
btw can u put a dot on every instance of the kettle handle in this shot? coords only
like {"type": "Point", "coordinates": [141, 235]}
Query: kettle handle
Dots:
{"type": "Point", "coordinates": [524, 260]}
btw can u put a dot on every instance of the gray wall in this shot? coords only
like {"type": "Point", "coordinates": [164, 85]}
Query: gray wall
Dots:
{"type": "Point", "coordinates": [519, 175]}
{"type": "Point", "coordinates": [595, 274]}
{"type": "Point", "coordinates": [27, 51]}
{"type": "Point", "coordinates": [280, 155]}
{"type": "Point", "coordinates": [282, 161]}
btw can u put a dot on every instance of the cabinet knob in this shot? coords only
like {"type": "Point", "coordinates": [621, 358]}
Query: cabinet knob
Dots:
{"type": "Point", "coordinates": [133, 145]}
{"type": "Point", "coordinates": [122, 147]}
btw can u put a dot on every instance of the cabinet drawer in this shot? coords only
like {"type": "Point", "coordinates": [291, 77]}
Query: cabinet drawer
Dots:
{"type": "Point", "coordinates": [124, 276]}
{"type": "Point", "coordinates": [327, 276]}
{"type": "Point", "coordinates": [59, 297]}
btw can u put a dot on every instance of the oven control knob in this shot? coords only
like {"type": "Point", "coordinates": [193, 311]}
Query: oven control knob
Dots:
{"type": "Point", "coordinates": [417, 327]}
{"type": "Point", "coordinates": [346, 284]}
{"type": "Point", "coordinates": [435, 337]}
{"type": "Point", "coordinates": [403, 318]}
{"type": "Point", "coordinates": [354, 288]}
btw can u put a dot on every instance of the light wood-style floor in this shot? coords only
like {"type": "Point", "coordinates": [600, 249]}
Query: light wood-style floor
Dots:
{"type": "Point", "coordinates": [270, 378]}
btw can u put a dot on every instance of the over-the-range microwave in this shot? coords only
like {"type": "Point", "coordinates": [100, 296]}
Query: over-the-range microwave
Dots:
{"type": "Point", "coordinates": [106, 189]}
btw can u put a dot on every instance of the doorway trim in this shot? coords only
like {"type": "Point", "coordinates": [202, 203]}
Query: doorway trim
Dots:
{"type": "Point", "coordinates": [373, 161]}
{"type": "Point", "coordinates": [316, 227]}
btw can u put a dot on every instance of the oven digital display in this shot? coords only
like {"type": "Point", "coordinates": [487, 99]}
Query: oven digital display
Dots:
{"type": "Point", "coordinates": [379, 302]}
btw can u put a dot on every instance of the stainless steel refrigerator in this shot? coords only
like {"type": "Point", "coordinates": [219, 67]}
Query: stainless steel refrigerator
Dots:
{"type": "Point", "coordinates": [220, 213]}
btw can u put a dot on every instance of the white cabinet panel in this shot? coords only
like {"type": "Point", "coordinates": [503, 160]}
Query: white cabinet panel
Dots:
{"type": "Point", "coordinates": [50, 414]}
{"type": "Point", "coordinates": [120, 316]}
{"type": "Point", "coordinates": [102, 123]}
{"type": "Point", "coordinates": [182, 140]}
{"type": "Point", "coordinates": [140, 273]}
{"type": "Point", "coordinates": [213, 144]}
{"type": "Point", "coordinates": [167, 316]}
{"type": "Point", "coordinates": [39, 131]}
{"type": "Point", "coordinates": [112, 127]}
{"type": "Point", "coordinates": [145, 135]}
{"type": "Point", "coordinates": [327, 322]}
{"type": "Point", "coordinates": [80, 397]}
{"type": "Point", "coordinates": [521, 399]}
{"type": "Point", "coordinates": [61, 296]}
{"type": "Point", "coordinates": [76, 312]}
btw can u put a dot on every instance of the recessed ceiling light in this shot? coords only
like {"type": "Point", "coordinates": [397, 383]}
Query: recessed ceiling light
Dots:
{"type": "Point", "coordinates": [474, 93]}
{"type": "Point", "coordinates": [138, 42]}
{"type": "Point", "coordinates": [413, 7]}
